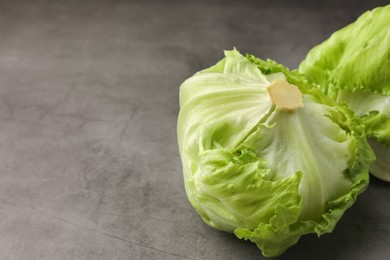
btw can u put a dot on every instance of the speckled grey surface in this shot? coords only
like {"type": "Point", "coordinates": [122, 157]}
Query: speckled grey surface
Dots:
{"type": "Point", "coordinates": [89, 165]}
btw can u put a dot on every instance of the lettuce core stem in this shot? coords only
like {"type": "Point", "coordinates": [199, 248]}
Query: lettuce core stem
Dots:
{"type": "Point", "coordinates": [284, 95]}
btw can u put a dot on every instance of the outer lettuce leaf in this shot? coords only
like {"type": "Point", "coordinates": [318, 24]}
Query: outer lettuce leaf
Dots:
{"type": "Point", "coordinates": [355, 57]}
{"type": "Point", "coordinates": [308, 141]}
{"type": "Point", "coordinates": [267, 175]}
{"type": "Point", "coordinates": [353, 66]}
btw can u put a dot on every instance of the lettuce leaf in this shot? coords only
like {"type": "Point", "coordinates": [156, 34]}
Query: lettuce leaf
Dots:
{"type": "Point", "coordinates": [355, 57]}
{"type": "Point", "coordinates": [265, 174]}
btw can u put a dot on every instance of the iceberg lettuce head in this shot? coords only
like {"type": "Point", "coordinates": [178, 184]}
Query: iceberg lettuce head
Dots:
{"type": "Point", "coordinates": [264, 155]}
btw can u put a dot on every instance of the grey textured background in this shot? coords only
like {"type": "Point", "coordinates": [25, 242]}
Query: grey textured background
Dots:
{"type": "Point", "coordinates": [89, 165]}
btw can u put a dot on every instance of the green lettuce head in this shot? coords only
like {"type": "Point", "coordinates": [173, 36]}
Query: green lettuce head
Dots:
{"type": "Point", "coordinates": [265, 156]}
{"type": "Point", "coordinates": [353, 66]}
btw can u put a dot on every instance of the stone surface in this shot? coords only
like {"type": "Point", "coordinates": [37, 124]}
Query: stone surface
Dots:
{"type": "Point", "coordinates": [89, 165]}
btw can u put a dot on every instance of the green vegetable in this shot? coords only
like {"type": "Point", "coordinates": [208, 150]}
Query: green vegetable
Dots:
{"type": "Point", "coordinates": [267, 171]}
{"type": "Point", "coordinates": [353, 66]}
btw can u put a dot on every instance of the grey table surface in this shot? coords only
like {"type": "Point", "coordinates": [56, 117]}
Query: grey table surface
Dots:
{"type": "Point", "coordinates": [89, 164]}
